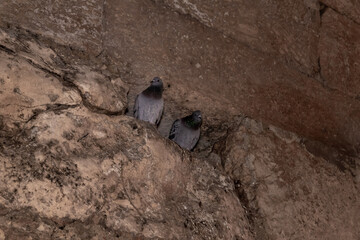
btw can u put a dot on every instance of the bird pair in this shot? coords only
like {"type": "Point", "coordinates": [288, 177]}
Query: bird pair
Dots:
{"type": "Point", "coordinates": [149, 106]}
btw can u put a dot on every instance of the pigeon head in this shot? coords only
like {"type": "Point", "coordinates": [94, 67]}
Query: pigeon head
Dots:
{"type": "Point", "coordinates": [155, 89]}
{"type": "Point", "coordinates": [194, 120]}
{"type": "Point", "coordinates": [157, 82]}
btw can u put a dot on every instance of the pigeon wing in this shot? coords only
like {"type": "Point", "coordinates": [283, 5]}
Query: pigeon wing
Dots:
{"type": "Point", "coordinates": [174, 129]}
{"type": "Point", "coordinates": [194, 139]}
{"type": "Point", "coordinates": [136, 107]}
{"type": "Point", "coordinates": [161, 106]}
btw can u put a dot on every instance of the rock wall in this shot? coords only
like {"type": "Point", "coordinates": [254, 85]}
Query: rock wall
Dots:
{"type": "Point", "coordinates": [75, 164]}
{"type": "Point", "coordinates": [264, 56]}
{"type": "Point", "coordinates": [290, 193]}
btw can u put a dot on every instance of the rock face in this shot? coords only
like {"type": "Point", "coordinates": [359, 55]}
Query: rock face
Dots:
{"type": "Point", "coordinates": [209, 65]}
{"type": "Point", "coordinates": [290, 193]}
{"type": "Point", "coordinates": [340, 66]}
{"type": "Point", "coordinates": [264, 56]}
{"type": "Point", "coordinates": [265, 26]}
{"type": "Point", "coordinates": [74, 163]}
{"type": "Point", "coordinates": [71, 22]}
{"type": "Point", "coordinates": [79, 168]}
{"type": "Point", "coordinates": [350, 9]}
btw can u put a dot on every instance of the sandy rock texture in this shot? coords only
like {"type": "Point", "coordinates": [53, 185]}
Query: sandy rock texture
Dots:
{"type": "Point", "coordinates": [290, 192]}
{"type": "Point", "coordinates": [264, 56]}
{"type": "Point", "coordinates": [71, 22]}
{"type": "Point", "coordinates": [87, 175]}
{"type": "Point", "coordinates": [278, 87]}
{"type": "Point", "coordinates": [350, 9]}
{"type": "Point", "coordinates": [208, 64]}
{"type": "Point", "coordinates": [340, 66]}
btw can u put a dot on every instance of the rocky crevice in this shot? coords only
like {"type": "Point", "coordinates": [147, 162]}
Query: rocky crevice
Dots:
{"type": "Point", "coordinates": [322, 4]}
{"type": "Point", "coordinates": [64, 76]}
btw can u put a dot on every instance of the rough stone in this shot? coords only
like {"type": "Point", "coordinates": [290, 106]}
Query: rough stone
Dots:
{"type": "Point", "coordinates": [278, 71]}
{"type": "Point", "coordinates": [287, 29]}
{"type": "Point", "coordinates": [244, 80]}
{"type": "Point", "coordinates": [348, 8]}
{"type": "Point", "coordinates": [102, 92]}
{"type": "Point", "coordinates": [78, 23]}
{"type": "Point", "coordinates": [27, 90]}
{"type": "Point", "coordinates": [339, 50]}
{"type": "Point", "coordinates": [72, 166]}
{"type": "Point", "coordinates": [75, 166]}
{"type": "Point", "coordinates": [291, 193]}
{"type": "Point", "coordinates": [34, 78]}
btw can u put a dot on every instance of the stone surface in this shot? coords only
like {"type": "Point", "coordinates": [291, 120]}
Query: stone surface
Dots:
{"type": "Point", "coordinates": [265, 26]}
{"type": "Point", "coordinates": [245, 80]}
{"type": "Point", "coordinates": [25, 89]}
{"type": "Point", "coordinates": [76, 166]}
{"type": "Point", "coordinates": [276, 71]}
{"type": "Point", "coordinates": [349, 8]}
{"type": "Point", "coordinates": [78, 23]}
{"type": "Point", "coordinates": [101, 92]}
{"type": "Point", "coordinates": [339, 49]}
{"type": "Point", "coordinates": [290, 193]}
{"type": "Point", "coordinates": [35, 78]}
{"type": "Point", "coordinates": [73, 166]}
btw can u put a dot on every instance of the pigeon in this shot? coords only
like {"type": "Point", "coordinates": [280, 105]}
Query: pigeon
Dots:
{"type": "Point", "coordinates": [186, 131]}
{"type": "Point", "coordinates": [149, 104]}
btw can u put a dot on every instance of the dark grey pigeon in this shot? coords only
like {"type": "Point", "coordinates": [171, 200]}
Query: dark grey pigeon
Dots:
{"type": "Point", "coordinates": [186, 131]}
{"type": "Point", "coordinates": [149, 104]}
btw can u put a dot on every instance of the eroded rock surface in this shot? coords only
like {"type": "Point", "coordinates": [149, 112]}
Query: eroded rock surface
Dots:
{"type": "Point", "coordinates": [73, 166]}
{"type": "Point", "coordinates": [263, 25]}
{"type": "Point", "coordinates": [254, 58]}
{"type": "Point", "coordinates": [348, 8]}
{"type": "Point", "coordinates": [290, 193]}
{"type": "Point", "coordinates": [34, 79]}
{"type": "Point", "coordinates": [222, 76]}
{"type": "Point", "coordinates": [76, 166]}
{"type": "Point", "coordinates": [339, 50]}
{"type": "Point", "coordinates": [78, 23]}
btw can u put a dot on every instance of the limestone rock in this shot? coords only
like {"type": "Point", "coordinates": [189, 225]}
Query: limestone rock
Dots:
{"type": "Point", "coordinates": [291, 193]}
{"type": "Point", "coordinates": [27, 90]}
{"type": "Point", "coordinates": [74, 167]}
{"type": "Point", "coordinates": [34, 78]}
{"type": "Point", "coordinates": [71, 22]}
{"type": "Point", "coordinates": [348, 8]}
{"type": "Point", "coordinates": [101, 92]}
{"type": "Point", "coordinates": [265, 52]}
{"type": "Point", "coordinates": [339, 50]}
{"type": "Point", "coordinates": [263, 25]}
{"type": "Point", "coordinates": [245, 80]}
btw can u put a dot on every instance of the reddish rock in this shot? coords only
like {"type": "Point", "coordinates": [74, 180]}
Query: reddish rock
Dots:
{"type": "Point", "coordinates": [290, 193]}
{"type": "Point", "coordinates": [348, 8]}
{"type": "Point", "coordinates": [339, 50]}
{"type": "Point", "coordinates": [78, 23]}
{"type": "Point", "coordinates": [75, 168]}
{"type": "Point", "coordinates": [72, 166]}
{"type": "Point", "coordinates": [223, 77]}
{"type": "Point", "coordinates": [287, 29]}
{"type": "Point", "coordinates": [260, 59]}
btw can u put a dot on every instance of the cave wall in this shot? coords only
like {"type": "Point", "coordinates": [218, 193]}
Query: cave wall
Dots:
{"type": "Point", "coordinates": [275, 62]}
{"type": "Point", "coordinates": [75, 164]}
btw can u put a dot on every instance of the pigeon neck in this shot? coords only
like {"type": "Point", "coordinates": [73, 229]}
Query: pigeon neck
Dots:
{"type": "Point", "coordinates": [190, 122]}
{"type": "Point", "coordinates": [153, 91]}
